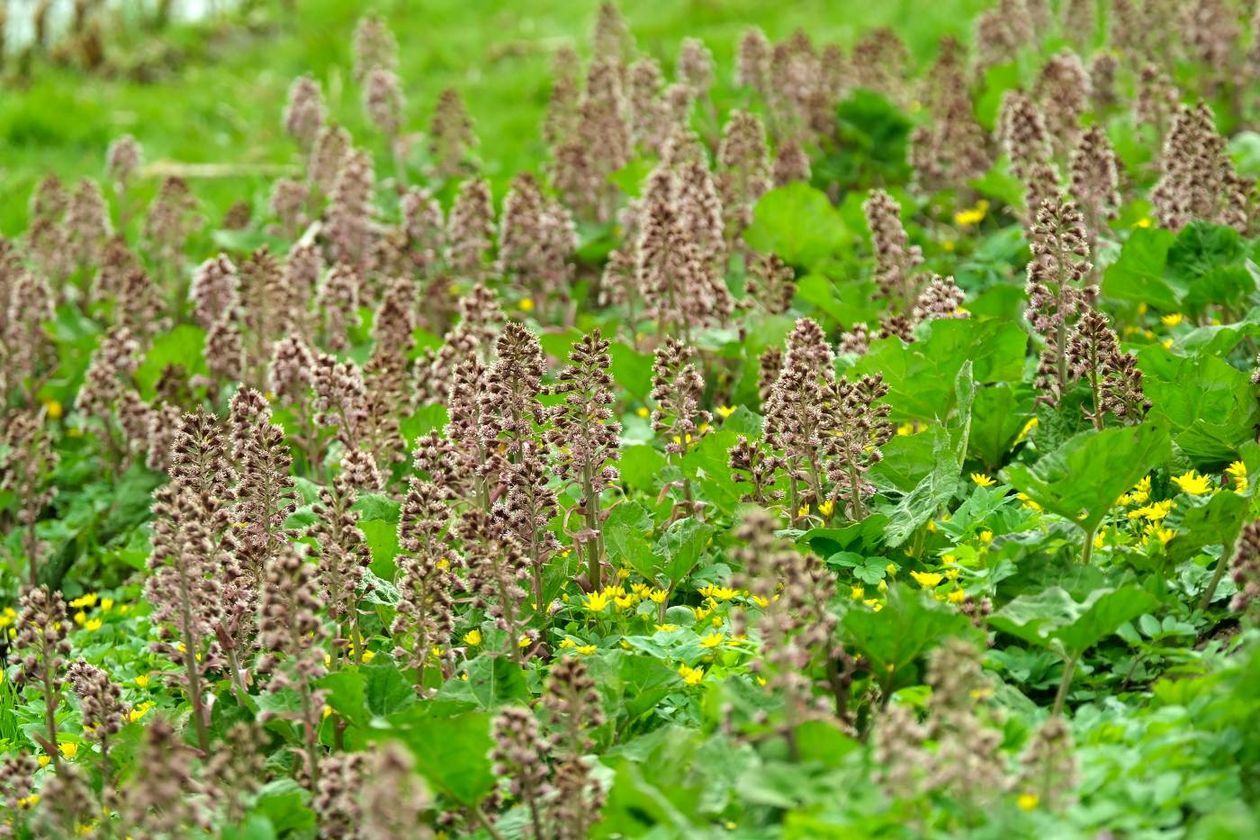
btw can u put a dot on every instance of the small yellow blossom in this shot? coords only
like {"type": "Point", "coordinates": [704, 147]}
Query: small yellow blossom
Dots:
{"type": "Point", "coordinates": [1167, 343]}
{"type": "Point", "coordinates": [712, 640]}
{"type": "Point", "coordinates": [1193, 483]}
{"type": "Point", "coordinates": [1153, 512]}
{"type": "Point", "coordinates": [1100, 539]}
{"type": "Point", "coordinates": [107, 604]}
{"type": "Point", "coordinates": [28, 802]}
{"type": "Point", "coordinates": [586, 650]}
{"type": "Point", "coordinates": [1143, 222]}
{"type": "Point", "coordinates": [1171, 320]}
{"type": "Point", "coordinates": [1160, 533]}
{"type": "Point", "coordinates": [369, 655]}
{"type": "Point", "coordinates": [666, 628]}
{"type": "Point", "coordinates": [642, 411]}
{"type": "Point", "coordinates": [982, 479]}
{"type": "Point", "coordinates": [524, 642]}
{"type": "Point", "coordinates": [803, 511]}
{"type": "Point", "coordinates": [691, 676]}
{"type": "Point", "coordinates": [1029, 801]}
{"type": "Point", "coordinates": [827, 507]}
{"type": "Point", "coordinates": [80, 617]}
{"type": "Point", "coordinates": [658, 596]}
{"type": "Point", "coordinates": [927, 579]}
{"type": "Point", "coordinates": [44, 760]}
{"type": "Point", "coordinates": [1238, 472]}
{"type": "Point", "coordinates": [1027, 430]}
{"type": "Point", "coordinates": [88, 600]}
{"type": "Point", "coordinates": [53, 407]}
{"type": "Point", "coordinates": [972, 216]}
{"type": "Point", "coordinates": [948, 559]}
{"type": "Point", "coordinates": [472, 638]}
{"type": "Point", "coordinates": [526, 304]}
{"type": "Point", "coordinates": [725, 411]}
{"type": "Point", "coordinates": [857, 593]}
{"type": "Point", "coordinates": [874, 603]}
{"type": "Point", "coordinates": [957, 596]}
{"type": "Point", "coordinates": [761, 601]}
{"type": "Point", "coordinates": [597, 601]}
{"type": "Point", "coordinates": [905, 429]}
{"type": "Point", "coordinates": [93, 624]}
{"type": "Point", "coordinates": [891, 569]}
{"type": "Point", "coordinates": [327, 711]}
{"type": "Point", "coordinates": [986, 537]}
{"type": "Point", "coordinates": [69, 749]}
{"type": "Point", "coordinates": [1141, 491]}
{"type": "Point", "coordinates": [952, 574]}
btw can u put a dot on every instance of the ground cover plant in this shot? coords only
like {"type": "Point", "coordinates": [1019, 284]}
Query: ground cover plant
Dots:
{"type": "Point", "coordinates": [823, 439]}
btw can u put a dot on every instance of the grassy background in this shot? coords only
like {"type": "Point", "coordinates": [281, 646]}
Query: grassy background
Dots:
{"type": "Point", "coordinates": [222, 99]}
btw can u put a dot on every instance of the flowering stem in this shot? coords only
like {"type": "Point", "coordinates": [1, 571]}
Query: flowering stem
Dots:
{"type": "Point", "coordinates": [1221, 566]}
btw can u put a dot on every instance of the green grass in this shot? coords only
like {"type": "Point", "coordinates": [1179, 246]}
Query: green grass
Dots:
{"type": "Point", "coordinates": [222, 102]}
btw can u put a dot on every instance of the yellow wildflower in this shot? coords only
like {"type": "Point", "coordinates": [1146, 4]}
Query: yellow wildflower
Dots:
{"type": "Point", "coordinates": [597, 601]}
{"type": "Point", "coordinates": [82, 601]}
{"type": "Point", "coordinates": [472, 638]}
{"type": "Point", "coordinates": [93, 624]}
{"type": "Point", "coordinates": [642, 411]}
{"type": "Point", "coordinates": [952, 574]}
{"type": "Point", "coordinates": [972, 216]}
{"type": "Point", "coordinates": [1027, 430]}
{"type": "Point", "coordinates": [803, 511]}
{"type": "Point", "coordinates": [827, 507]}
{"type": "Point", "coordinates": [1141, 491]}
{"type": "Point", "coordinates": [524, 642]}
{"type": "Point", "coordinates": [107, 604]}
{"type": "Point", "coordinates": [1027, 502]}
{"type": "Point", "coordinates": [723, 593]}
{"type": "Point", "coordinates": [624, 602]}
{"type": "Point", "coordinates": [957, 596]}
{"type": "Point", "coordinates": [369, 655]}
{"type": "Point", "coordinates": [69, 749]}
{"type": "Point", "coordinates": [658, 596]}
{"type": "Point", "coordinates": [691, 676]}
{"type": "Point", "coordinates": [986, 537]}
{"type": "Point", "coordinates": [28, 802]}
{"type": "Point", "coordinates": [1153, 512]}
{"type": "Point", "coordinates": [712, 640]}
{"type": "Point", "coordinates": [526, 304]}
{"type": "Point", "coordinates": [327, 710]}
{"type": "Point", "coordinates": [725, 411]}
{"type": "Point", "coordinates": [857, 592]}
{"type": "Point", "coordinates": [891, 569]}
{"type": "Point", "coordinates": [1143, 222]}
{"type": "Point", "coordinates": [1029, 801]}
{"type": "Point", "coordinates": [1159, 532]}
{"type": "Point", "coordinates": [80, 617]}
{"type": "Point", "coordinates": [761, 601]}
{"type": "Point", "coordinates": [982, 479]}
{"type": "Point", "coordinates": [44, 760]}
{"type": "Point", "coordinates": [1238, 472]}
{"type": "Point", "coordinates": [666, 628]}
{"type": "Point", "coordinates": [1171, 320]}
{"type": "Point", "coordinates": [874, 603]}
{"type": "Point", "coordinates": [905, 429]}
{"type": "Point", "coordinates": [927, 579]}
{"type": "Point", "coordinates": [586, 650]}
{"type": "Point", "coordinates": [53, 407]}
{"type": "Point", "coordinates": [1193, 483]}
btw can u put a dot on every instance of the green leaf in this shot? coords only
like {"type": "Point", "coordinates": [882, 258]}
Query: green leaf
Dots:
{"type": "Point", "coordinates": [1083, 478]}
{"type": "Point", "coordinates": [181, 346]}
{"type": "Point", "coordinates": [680, 547]}
{"type": "Point", "coordinates": [452, 753]}
{"type": "Point", "coordinates": [626, 533]}
{"type": "Point", "coordinates": [1138, 275]}
{"type": "Point", "coordinates": [1000, 413]}
{"type": "Point", "coordinates": [640, 467]}
{"type": "Point", "coordinates": [1052, 616]}
{"type": "Point", "coordinates": [799, 224]}
{"type": "Point", "coordinates": [283, 804]}
{"type": "Point", "coordinates": [632, 370]}
{"type": "Point", "coordinates": [1210, 404]}
{"type": "Point", "coordinates": [708, 464]}
{"type": "Point", "coordinates": [842, 303]}
{"type": "Point", "coordinates": [908, 626]}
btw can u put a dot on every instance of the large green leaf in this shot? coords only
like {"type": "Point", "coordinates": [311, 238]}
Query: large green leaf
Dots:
{"type": "Point", "coordinates": [908, 626]}
{"type": "Point", "coordinates": [182, 346]}
{"type": "Point", "coordinates": [799, 224]}
{"type": "Point", "coordinates": [1083, 478]}
{"type": "Point", "coordinates": [1138, 275]}
{"type": "Point", "coordinates": [1210, 404]}
{"type": "Point", "coordinates": [679, 548]}
{"type": "Point", "coordinates": [1052, 618]}
{"type": "Point", "coordinates": [453, 754]}
{"type": "Point", "coordinates": [626, 533]}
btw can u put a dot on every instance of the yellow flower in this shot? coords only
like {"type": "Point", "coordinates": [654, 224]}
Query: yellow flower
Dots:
{"type": "Point", "coordinates": [827, 507]}
{"type": "Point", "coordinates": [1027, 430]}
{"type": "Point", "coordinates": [526, 304]}
{"type": "Point", "coordinates": [82, 601]}
{"type": "Point", "coordinates": [1171, 320]}
{"type": "Point", "coordinates": [28, 802]}
{"type": "Point", "coordinates": [712, 640]}
{"type": "Point", "coordinates": [53, 407]}
{"type": "Point", "coordinates": [658, 596]}
{"type": "Point", "coordinates": [624, 602]}
{"type": "Point", "coordinates": [666, 628]}
{"type": "Point", "coordinates": [523, 642]}
{"type": "Point", "coordinates": [1029, 801]}
{"type": "Point", "coordinates": [857, 593]}
{"type": "Point", "coordinates": [93, 624]}
{"type": "Point", "coordinates": [986, 537]}
{"type": "Point", "coordinates": [1100, 539]}
{"type": "Point", "coordinates": [691, 676]}
{"type": "Point", "coordinates": [326, 711]}
{"type": "Point", "coordinates": [891, 569]}
{"type": "Point", "coordinates": [973, 215]}
{"type": "Point", "coordinates": [1193, 483]}
{"type": "Point", "coordinates": [761, 601]}
{"type": "Point", "coordinates": [723, 593]}
{"type": "Point", "coordinates": [597, 601]}
{"type": "Point", "coordinates": [952, 574]}
{"type": "Point", "coordinates": [1159, 532]}
{"type": "Point", "coordinates": [1153, 512]}
{"type": "Point", "coordinates": [948, 559]}
{"type": "Point", "coordinates": [1141, 491]}
{"type": "Point", "coordinates": [1238, 472]}
{"type": "Point", "coordinates": [69, 749]}
{"type": "Point", "coordinates": [957, 596]}
{"type": "Point", "coordinates": [1027, 502]}
{"type": "Point", "coordinates": [642, 411]}
{"type": "Point", "coordinates": [803, 511]}
{"type": "Point", "coordinates": [586, 650]}
{"type": "Point", "coordinates": [80, 617]}
{"type": "Point", "coordinates": [44, 760]}
{"type": "Point", "coordinates": [948, 245]}
{"type": "Point", "coordinates": [472, 638]}
{"type": "Point", "coordinates": [725, 411]}
{"type": "Point", "coordinates": [1167, 343]}
{"type": "Point", "coordinates": [369, 655]}
{"type": "Point", "coordinates": [927, 579]}
{"type": "Point", "coordinates": [107, 604]}
{"type": "Point", "coordinates": [982, 479]}
{"type": "Point", "coordinates": [142, 681]}
{"type": "Point", "coordinates": [875, 604]}
{"type": "Point", "coordinates": [1143, 222]}
{"type": "Point", "coordinates": [905, 429]}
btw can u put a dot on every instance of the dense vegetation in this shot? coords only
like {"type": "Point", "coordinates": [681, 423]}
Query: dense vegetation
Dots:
{"type": "Point", "coordinates": [839, 439]}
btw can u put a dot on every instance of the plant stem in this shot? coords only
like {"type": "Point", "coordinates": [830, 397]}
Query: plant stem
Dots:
{"type": "Point", "coordinates": [1221, 566]}
{"type": "Point", "coordinates": [1061, 695]}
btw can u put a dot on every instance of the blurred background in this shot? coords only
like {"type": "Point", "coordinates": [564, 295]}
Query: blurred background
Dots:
{"type": "Point", "coordinates": [202, 83]}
